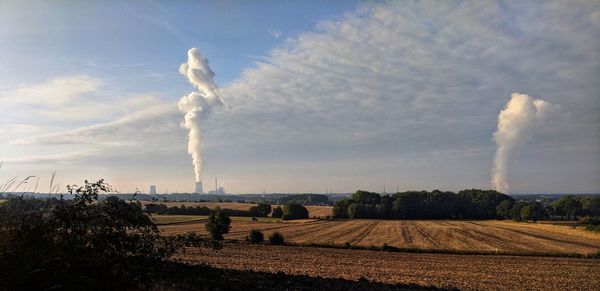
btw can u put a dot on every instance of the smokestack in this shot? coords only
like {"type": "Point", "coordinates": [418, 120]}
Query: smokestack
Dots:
{"type": "Point", "coordinates": [519, 119]}
{"type": "Point", "coordinates": [216, 187]}
{"type": "Point", "coordinates": [199, 188]}
{"type": "Point", "coordinates": [197, 105]}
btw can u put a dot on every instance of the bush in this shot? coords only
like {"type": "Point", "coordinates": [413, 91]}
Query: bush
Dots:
{"type": "Point", "coordinates": [294, 211]}
{"type": "Point", "coordinates": [78, 244]}
{"type": "Point", "coordinates": [277, 212]}
{"type": "Point", "coordinates": [276, 238]}
{"type": "Point", "coordinates": [255, 237]}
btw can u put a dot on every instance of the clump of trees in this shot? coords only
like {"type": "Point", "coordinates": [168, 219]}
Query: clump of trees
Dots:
{"type": "Point", "coordinates": [294, 211]}
{"type": "Point", "coordinates": [277, 212]}
{"type": "Point", "coordinates": [471, 203]}
{"type": "Point", "coordinates": [260, 210]}
{"type": "Point", "coordinates": [568, 207]}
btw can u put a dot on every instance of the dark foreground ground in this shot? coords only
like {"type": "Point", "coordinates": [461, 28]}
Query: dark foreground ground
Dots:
{"type": "Point", "coordinates": [347, 269]}
{"type": "Point", "coordinates": [201, 277]}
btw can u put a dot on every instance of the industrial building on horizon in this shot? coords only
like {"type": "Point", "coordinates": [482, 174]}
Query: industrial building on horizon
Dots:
{"type": "Point", "coordinates": [152, 190]}
{"type": "Point", "coordinates": [198, 188]}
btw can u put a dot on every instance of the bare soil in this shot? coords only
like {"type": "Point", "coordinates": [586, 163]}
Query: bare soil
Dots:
{"type": "Point", "coordinates": [440, 270]}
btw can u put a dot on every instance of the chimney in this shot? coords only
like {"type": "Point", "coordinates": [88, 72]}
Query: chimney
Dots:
{"type": "Point", "coordinates": [199, 188]}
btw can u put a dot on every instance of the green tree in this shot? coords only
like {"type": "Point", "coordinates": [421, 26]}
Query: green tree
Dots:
{"type": "Point", "coordinates": [340, 209]}
{"type": "Point", "coordinates": [218, 224]}
{"type": "Point", "coordinates": [277, 212]}
{"type": "Point", "coordinates": [504, 209]}
{"type": "Point", "coordinates": [567, 205]}
{"type": "Point", "coordinates": [591, 205]}
{"type": "Point", "coordinates": [294, 211]}
{"type": "Point", "coordinates": [261, 210]}
{"type": "Point", "coordinates": [529, 212]}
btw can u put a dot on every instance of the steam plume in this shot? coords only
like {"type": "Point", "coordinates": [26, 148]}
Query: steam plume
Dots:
{"type": "Point", "coordinates": [197, 105]}
{"type": "Point", "coordinates": [521, 117]}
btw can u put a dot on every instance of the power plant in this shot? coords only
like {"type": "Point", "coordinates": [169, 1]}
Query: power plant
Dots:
{"type": "Point", "coordinates": [199, 189]}
{"type": "Point", "coordinates": [152, 190]}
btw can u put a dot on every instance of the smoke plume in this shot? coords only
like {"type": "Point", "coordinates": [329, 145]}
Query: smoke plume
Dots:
{"type": "Point", "coordinates": [519, 119]}
{"type": "Point", "coordinates": [197, 105]}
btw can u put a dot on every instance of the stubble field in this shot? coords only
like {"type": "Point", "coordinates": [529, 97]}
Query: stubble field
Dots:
{"type": "Point", "coordinates": [473, 236]}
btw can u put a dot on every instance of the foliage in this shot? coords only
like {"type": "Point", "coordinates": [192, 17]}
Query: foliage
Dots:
{"type": "Point", "coordinates": [260, 210]}
{"type": "Point", "coordinates": [306, 199]}
{"type": "Point", "coordinates": [256, 236]}
{"type": "Point", "coordinates": [218, 224]}
{"type": "Point", "coordinates": [276, 238]}
{"type": "Point", "coordinates": [472, 203]}
{"type": "Point", "coordinates": [277, 212]}
{"type": "Point", "coordinates": [294, 211]}
{"type": "Point", "coordinates": [76, 244]}
{"type": "Point", "coordinates": [568, 205]}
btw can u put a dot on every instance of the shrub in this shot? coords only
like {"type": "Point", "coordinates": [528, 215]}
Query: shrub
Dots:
{"type": "Point", "coordinates": [78, 244]}
{"type": "Point", "coordinates": [276, 238]}
{"type": "Point", "coordinates": [255, 237]}
{"type": "Point", "coordinates": [294, 211]}
{"type": "Point", "coordinates": [277, 212]}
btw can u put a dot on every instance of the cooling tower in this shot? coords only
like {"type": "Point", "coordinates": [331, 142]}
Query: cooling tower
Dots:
{"type": "Point", "coordinates": [199, 188]}
{"type": "Point", "coordinates": [152, 190]}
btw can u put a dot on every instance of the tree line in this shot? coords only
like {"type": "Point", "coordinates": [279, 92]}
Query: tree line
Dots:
{"type": "Point", "coordinates": [288, 212]}
{"type": "Point", "coordinates": [568, 207]}
{"type": "Point", "coordinates": [466, 204]}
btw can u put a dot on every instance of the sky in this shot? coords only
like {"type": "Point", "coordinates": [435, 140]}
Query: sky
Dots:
{"type": "Point", "coordinates": [319, 96]}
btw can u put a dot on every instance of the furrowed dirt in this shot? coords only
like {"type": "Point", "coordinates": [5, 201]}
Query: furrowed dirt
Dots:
{"type": "Point", "coordinates": [441, 270]}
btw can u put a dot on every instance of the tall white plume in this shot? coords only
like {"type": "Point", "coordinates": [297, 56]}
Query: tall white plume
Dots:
{"type": "Point", "coordinates": [519, 119]}
{"type": "Point", "coordinates": [196, 105]}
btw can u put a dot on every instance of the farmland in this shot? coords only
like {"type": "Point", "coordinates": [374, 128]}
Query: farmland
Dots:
{"type": "Point", "coordinates": [441, 270]}
{"type": "Point", "coordinates": [474, 236]}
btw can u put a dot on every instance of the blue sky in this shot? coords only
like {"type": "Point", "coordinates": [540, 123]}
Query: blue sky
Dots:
{"type": "Point", "coordinates": [333, 95]}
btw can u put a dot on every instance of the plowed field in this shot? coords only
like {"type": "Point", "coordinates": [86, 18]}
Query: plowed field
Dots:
{"type": "Point", "coordinates": [484, 236]}
{"type": "Point", "coordinates": [441, 270]}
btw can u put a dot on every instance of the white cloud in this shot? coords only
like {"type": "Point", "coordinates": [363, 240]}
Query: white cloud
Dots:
{"type": "Point", "coordinates": [58, 91]}
{"type": "Point", "coordinates": [396, 78]}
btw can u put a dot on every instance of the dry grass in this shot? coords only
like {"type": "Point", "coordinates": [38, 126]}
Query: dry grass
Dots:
{"type": "Point", "coordinates": [441, 270]}
{"type": "Point", "coordinates": [313, 211]}
{"type": "Point", "coordinates": [477, 236]}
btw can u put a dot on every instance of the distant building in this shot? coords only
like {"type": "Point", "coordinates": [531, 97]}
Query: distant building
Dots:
{"type": "Point", "coordinates": [152, 190]}
{"type": "Point", "coordinates": [199, 189]}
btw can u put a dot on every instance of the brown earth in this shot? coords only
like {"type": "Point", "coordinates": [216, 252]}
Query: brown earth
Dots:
{"type": "Point", "coordinates": [481, 236]}
{"type": "Point", "coordinates": [441, 270]}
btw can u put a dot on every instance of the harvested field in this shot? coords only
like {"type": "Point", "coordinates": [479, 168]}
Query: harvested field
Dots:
{"type": "Point", "coordinates": [313, 211]}
{"type": "Point", "coordinates": [477, 236]}
{"type": "Point", "coordinates": [441, 270]}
